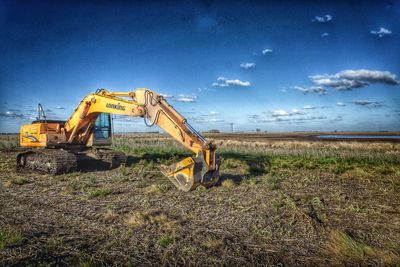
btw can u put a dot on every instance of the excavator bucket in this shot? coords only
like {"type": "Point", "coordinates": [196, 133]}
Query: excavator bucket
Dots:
{"type": "Point", "coordinates": [191, 172]}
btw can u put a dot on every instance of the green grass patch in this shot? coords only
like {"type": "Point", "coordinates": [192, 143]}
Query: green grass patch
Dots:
{"type": "Point", "coordinates": [272, 182]}
{"type": "Point", "coordinates": [346, 249]}
{"type": "Point", "coordinates": [9, 236]}
{"type": "Point", "coordinates": [283, 202]}
{"type": "Point", "coordinates": [260, 160]}
{"type": "Point", "coordinates": [229, 183]}
{"type": "Point", "coordinates": [231, 163]}
{"type": "Point", "coordinates": [157, 188]}
{"type": "Point", "coordinates": [165, 240]}
{"type": "Point", "coordinates": [250, 180]}
{"type": "Point", "coordinates": [9, 142]}
{"type": "Point", "coordinates": [54, 244]}
{"type": "Point", "coordinates": [101, 192]}
{"type": "Point", "coordinates": [20, 181]}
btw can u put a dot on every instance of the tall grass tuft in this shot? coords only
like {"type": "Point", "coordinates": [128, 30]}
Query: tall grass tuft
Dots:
{"type": "Point", "coordinates": [347, 250]}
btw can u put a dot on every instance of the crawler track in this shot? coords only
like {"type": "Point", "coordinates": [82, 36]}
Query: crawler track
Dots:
{"type": "Point", "coordinates": [50, 161]}
{"type": "Point", "coordinates": [113, 158]}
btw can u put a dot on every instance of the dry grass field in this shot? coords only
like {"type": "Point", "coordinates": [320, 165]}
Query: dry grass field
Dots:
{"type": "Point", "coordinates": [279, 202]}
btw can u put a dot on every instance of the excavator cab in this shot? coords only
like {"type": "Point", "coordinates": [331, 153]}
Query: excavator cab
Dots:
{"type": "Point", "coordinates": [102, 133]}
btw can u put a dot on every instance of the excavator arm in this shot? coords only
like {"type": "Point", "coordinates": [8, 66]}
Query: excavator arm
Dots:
{"type": "Point", "coordinates": [201, 169]}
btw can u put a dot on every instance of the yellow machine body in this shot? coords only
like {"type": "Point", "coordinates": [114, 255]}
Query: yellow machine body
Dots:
{"type": "Point", "coordinates": [41, 135]}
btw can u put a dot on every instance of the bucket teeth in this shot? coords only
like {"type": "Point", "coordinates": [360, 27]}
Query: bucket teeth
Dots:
{"type": "Point", "coordinates": [191, 172]}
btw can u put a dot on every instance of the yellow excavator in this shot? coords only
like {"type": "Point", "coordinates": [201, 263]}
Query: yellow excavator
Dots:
{"type": "Point", "coordinates": [56, 147]}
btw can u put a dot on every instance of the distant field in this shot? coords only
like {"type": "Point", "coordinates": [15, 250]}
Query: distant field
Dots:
{"type": "Point", "coordinates": [292, 135]}
{"type": "Point", "coordinates": [282, 199]}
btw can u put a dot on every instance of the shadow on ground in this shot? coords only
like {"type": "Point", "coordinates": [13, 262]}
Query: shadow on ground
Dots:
{"type": "Point", "coordinates": [254, 165]}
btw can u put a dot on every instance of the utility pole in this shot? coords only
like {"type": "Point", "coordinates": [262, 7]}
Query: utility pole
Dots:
{"type": "Point", "coordinates": [231, 126]}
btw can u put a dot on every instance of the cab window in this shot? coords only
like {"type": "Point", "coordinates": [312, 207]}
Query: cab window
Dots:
{"type": "Point", "coordinates": [102, 126]}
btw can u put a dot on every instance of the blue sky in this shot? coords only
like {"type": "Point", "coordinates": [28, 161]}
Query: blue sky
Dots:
{"type": "Point", "coordinates": [272, 65]}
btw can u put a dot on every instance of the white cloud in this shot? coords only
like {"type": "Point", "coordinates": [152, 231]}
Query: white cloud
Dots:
{"type": "Point", "coordinates": [224, 82]}
{"type": "Point", "coordinates": [166, 96]}
{"type": "Point", "coordinates": [204, 118]}
{"type": "Point", "coordinates": [323, 19]}
{"type": "Point", "coordinates": [368, 104]}
{"type": "Point", "coordinates": [11, 114]}
{"type": "Point", "coordinates": [186, 98]}
{"type": "Point", "coordinates": [254, 117]}
{"type": "Point", "coordinates": [291, 116]}
{"type": "Point", "coordinates": [325, 34]}
{"type": "Point", "coordinates": [126, 118]}
{"type": "Point", "coordinates": [381, 32]}
{"type": "Point", "coordinates": [340, 104]}
{"type": "Point", "coordinates": [351, 79]}
{"type": "Point", "coordinates": [337, 119]}
{"type": "Point", "coordinates": [310, 118]}
{"type": "Point", "coordinates": [280, 112]}
{"type": "Point", "coordinates": [309, 107]}
{"type": "Point", "coordinates": [372, 76]}
{"type": "Point", "coordinates": [248, 65]}
{"type": "Point", "coordinates": [213, 112]}
{"type": "Point", "coordinates": [59, 107]}
{"type": "Point", "coordinates": [337, 83]}
{"type": "Point", "coordinates": [216, 120]}
{"type": "Point", "coordinates": [219, 84]}
{"type": "Point", "coordinates": [237, 82]}
{"type": "Point", "coordinates": [293, 120]}
{"type": "Point", "coordinates": [266, 51]}
{"type": "Point", "coordinates": [205, 89]}
{"type": "Point", "coordinates": [14, 110]}
{"type": "Point", "coordinates": [284, 113]}
{"type": "Point", "coordinates": [312, 89]}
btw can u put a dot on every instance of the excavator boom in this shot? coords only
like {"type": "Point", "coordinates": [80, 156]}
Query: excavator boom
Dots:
{"type": "Point", "coordinates": [201, 169]}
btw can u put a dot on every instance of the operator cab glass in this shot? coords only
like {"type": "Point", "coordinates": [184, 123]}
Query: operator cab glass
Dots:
{"type": "Point", "coordinates": [102, 127]}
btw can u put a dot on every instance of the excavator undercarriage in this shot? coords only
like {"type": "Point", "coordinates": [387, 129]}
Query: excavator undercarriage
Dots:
{"type": "Point", "coordinates": [47, 161]}
{"type": "Point", "coordinates": [59, 161]}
